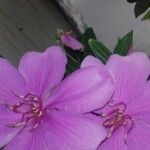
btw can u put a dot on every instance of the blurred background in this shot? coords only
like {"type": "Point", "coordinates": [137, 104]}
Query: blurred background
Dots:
{"type": "Point", "coordinates": [114, 18]}
{"type": "Point", "coordinates": [28, 25]}
{"type": "Point", "coordinates": [31, 24]}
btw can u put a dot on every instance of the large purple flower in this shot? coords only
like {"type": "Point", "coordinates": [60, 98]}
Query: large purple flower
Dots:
{"type": "Point", "coordinates": [126, 116]}
{"type": "Point", "coordinates": [39, 113]}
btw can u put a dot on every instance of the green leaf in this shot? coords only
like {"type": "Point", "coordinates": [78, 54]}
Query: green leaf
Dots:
{"type": "Point", "coordinates": [71, 65]}
{"type": "Point", "coordinates": [141, 6]}
{"type": "Point", "coordinates": [99, 50]}
{"type": "Point", "coordinates": [88, 34]}
{"type": "Point", "coordinates": [147, 16]}
{"type": "Point", "coordinates": [74, 60]}
{"type": "Point", "coordinates": [124, 44]}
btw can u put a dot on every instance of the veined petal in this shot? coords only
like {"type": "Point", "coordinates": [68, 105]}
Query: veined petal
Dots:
{"type": "Point", "coordinates": [85, 90]}
{"type": "Point", "coordinates": [11, 82]}
{"type": "Point", "coordinates": [115, 142]}
{"type": "Point", "coordinates": [130, 75]}
{"type": "Point", "coordinates": [140, 108]}
{"type": "Point", "coordinates": [6, 118]}
{"type": "Point", "coordinates": [43, 71]}
{"type": "Point", "coordinates": [139, 137]}
{"type": "Point", "coordinates": [91, 61]}
{"type": "Point", "coordinates": [27, 140]}
{"type": "Point", "coordinates": [75, 133]}
{"type": "Point", "coordinates": [60, 132]}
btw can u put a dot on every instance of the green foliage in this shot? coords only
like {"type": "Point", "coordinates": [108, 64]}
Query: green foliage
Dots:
{"type": "Point", "coordinates": [96, 48]}
{"type": "Point", "coordinates": [75, 57]}
{"type": "Point", "coordinates": [88, 34]}
{"type": "Point", "coordinates": [74, 60]}
{"type": "Point", "coordinates": [124, 44]}
{"type": "Point", "coordinates": [99, 50]}
{"type": "Point", "coordinates": [147, 16]}
{"type": "Point", "coordinates": [141, 6]}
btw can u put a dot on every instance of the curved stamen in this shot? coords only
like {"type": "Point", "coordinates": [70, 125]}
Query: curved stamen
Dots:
{"type": "Point", "coordinates": [116, 118]}
{"type": "Point", "coordinates": [117, 105]}
{"type": "Point", "coordinates": [30, 107]}
{"type": "Point", "coordinates": [131, 122]}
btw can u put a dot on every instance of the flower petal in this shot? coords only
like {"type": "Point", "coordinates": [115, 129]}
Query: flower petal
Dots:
{"type": "Point", "coordinates": [71, 42]}
{"type": "Point", "coordinates": [139, 137]}
{"type": "Point", "coordinates": [7, 117]}
{"type": "Point", "coordinates": [60, 132]}
{"type": "Point", "coordinates": [115, 142]}
{"type": "Point", "coordinates": [11, 82]}
{"type": "Point", "coordinates": [130, 75]}
{"type": "Point", "coordinates": [85, 90]}
{"type": "Point", "coordinates": [91, 61]}
{"type": "Point", "coordinates": [27, 140]}
{"type": "Point", "coordinates": [75, 133]}
{"type": "Point", "coordinates": [43, 70]}
{"type": "Point", "coordinates": [140, 108]}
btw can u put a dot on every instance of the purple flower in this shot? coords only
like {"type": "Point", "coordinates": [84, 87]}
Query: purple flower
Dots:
{"type": "Point", "coordinates": [71, 42]}
{"type": "Point", "coordinates": [68, 40]}
{"type": "Point", "coordinates": [38, 112]}
{"type": "Point", "coordinates": [126, 116]}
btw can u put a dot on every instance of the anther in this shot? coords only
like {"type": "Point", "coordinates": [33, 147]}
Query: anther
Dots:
{"type": "Point", "coordinates": [9, 106]}
{"type": "Point", "coordinates": [40, 114]}
{"type": "Point", "coordinates": [17, 124]}
{"type": "Point", "coordinates": [117, 118]}
{"type": "Point", "coordinates": [30, 109]}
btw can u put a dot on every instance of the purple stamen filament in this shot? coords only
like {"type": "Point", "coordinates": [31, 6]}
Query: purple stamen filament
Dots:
{"type": "Point", "coordinates": [30, 107]}
{"type": "Point", "coordinates": [117, 118]}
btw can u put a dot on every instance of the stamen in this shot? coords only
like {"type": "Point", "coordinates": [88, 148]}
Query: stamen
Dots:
{"type": "Point", "coordinates": [40, 114]}
{"type": "Point", "coordinates": [121, 104]}
{"type": "Point", "coordinates": [9, 106]}
{"type": "Point", "coordinates": [30, 107]}
{"type": "Point", "coordinates": [17, 124]}
{"type": "Point", "coordinates": [117, 118]}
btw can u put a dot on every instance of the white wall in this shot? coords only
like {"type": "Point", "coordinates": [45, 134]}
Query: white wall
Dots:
{"type": "Point", "coordinates": [113, 18]}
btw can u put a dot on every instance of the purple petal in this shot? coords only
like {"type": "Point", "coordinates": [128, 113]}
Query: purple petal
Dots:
{"type": "Point", "coordinates": [7, 117]}
{"type": "Point", "coordinates": [43, 71]}
{"type": "Point", "coordinates": [130, 75]}
{"type": "Point", "coordinates": [11, 82]}
{"type": "Point", "coordinates": [71, 42]}
{"type": "Point", "coordinates": [60, 132]}
{"type": "Point", "coordinates": [91, 61]}
{"type": "Point", "coordinates": [139, 137]}
{"type": "Point", "coordinates": [115, 142]}
{"type": "Point", "coordinates": [28, 140]}
{"type": "Point", "coordinates": [85, 90]}
{"type": "Point", "coordinates": [140, 108]}
{"type": "Point", "coordinates": [76, 133]}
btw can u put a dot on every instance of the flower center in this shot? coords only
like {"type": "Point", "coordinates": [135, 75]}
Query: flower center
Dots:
{"type": "Point", "coordinates": [116, 118]}
{"type": "Point", "coordinates": [30, 108]}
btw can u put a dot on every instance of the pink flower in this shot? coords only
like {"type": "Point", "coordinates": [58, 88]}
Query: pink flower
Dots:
{"type": "Point", "coordinates": [126, 116]}
{"type": "Point", "coordinates": [71, 42]}
{"type": "Point", "coordinates": [68, 40]}
{"type": "Point", "coordinates": [38, 111]}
